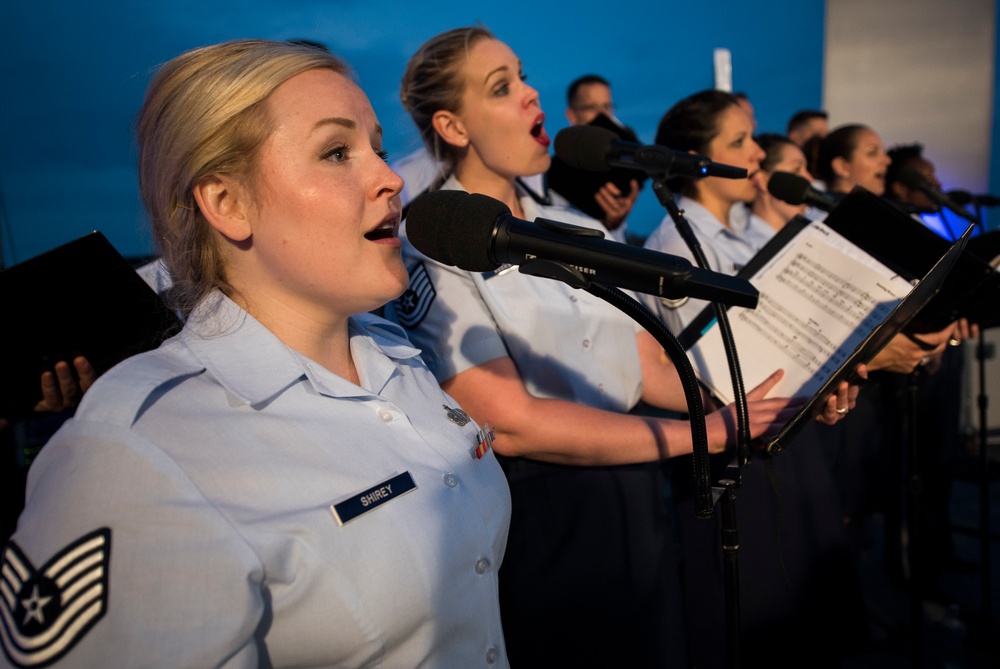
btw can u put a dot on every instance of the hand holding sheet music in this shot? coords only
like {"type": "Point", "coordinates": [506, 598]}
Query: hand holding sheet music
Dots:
{"type": "Point", "coordinates": [828, 304]}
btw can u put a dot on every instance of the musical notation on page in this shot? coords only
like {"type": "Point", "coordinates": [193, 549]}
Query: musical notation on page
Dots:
{"type": "Point", "coordinates": [820, 296]}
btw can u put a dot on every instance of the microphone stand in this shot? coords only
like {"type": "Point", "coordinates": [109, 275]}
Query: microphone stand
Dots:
{"type": "Point", "coordinates": [706, 496]}
{"type": "Point", "coordinates": [984, 482]}
{"type": "Point", "coordinates": [726, 491]}
{"type": "Point", "coordinates": [982, 401]}
{"type": "Point", "coordinates": [914, 494]}
{"type": "Point", "coordinates": [984, 462]}
{"type": "Point", "coordinates": [728, 487]}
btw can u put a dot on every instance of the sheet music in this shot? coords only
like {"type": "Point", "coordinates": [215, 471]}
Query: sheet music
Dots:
{"type": "Point", "coordinates": [820, 296]}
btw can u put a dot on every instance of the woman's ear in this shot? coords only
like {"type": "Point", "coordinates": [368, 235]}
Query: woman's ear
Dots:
{"type": "Point", "coordinates": [450, 128]}
{"type": "Point", "coordinates": [224, 204]}
{"type": "Point", "coordinates": [840, 167]}
{"type": "Point", "coordinates": [759, 180]}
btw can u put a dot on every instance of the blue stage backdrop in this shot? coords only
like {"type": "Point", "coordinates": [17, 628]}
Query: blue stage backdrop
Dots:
{"type": "Point", "coordinates": [993, 216]}
{"type": "Point", "coordinates": [73, 75]}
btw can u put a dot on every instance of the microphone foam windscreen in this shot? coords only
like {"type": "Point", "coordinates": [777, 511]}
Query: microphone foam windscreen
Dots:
{"type": "Point", "coordinates": [585, 147]}
{"type": "Point", "coordinates": [788, 187]}
{"type": "Point", "coordinates": [455, 228]}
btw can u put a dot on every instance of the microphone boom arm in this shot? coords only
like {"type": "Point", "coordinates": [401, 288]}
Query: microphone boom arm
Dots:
{"type": "Point", "coordinates": [676, 276]}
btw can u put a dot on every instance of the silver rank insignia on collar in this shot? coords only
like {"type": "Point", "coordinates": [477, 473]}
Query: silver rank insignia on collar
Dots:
{"type": "Point", "coordinates": [456, 416]}
{"type": "Point", "coordinates": [499, 271]}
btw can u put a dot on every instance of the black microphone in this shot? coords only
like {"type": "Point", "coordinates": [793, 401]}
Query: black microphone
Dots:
{"type": "Point", "coordinates": [793, 189]}
{"type": "Point", "coordinates": [598, 150]}
{"type": "Point", "coordinates": [478, 234]}
{"type": "Point", "coordinates": [964, 197]}
{"type": "Point", "coordinates": [913, 179]}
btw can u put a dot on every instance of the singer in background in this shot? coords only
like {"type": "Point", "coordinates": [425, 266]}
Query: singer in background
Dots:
{"type": "Point", "coordinates": [910, 156]}
{"type": "Point", "coordinates": [914, 201]}
{"type": "Point", "coordinates": [283, 483]}
{"type": "Point", "coordinates": [806, 124]}
{"type": "Point", "coordinates": [589, 578]}
{"type": "Point", "coordinates": [939, 394]}
{"type": "Point", "coordinates": [851, 156]}
{"type": "Point", "coordinates": [869, 455]}
{"type": "Point", "coordinates": [796, 578]}
{"type": "Point", "coordinates": [586, 98]}
{"type": "Point", "coordinates": [714, 124]}
{"type": "Point", "coordinates": [780, 155]}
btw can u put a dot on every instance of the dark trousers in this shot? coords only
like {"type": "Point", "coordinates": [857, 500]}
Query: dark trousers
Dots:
{"type": "Point", "coordinates": [590, 577]}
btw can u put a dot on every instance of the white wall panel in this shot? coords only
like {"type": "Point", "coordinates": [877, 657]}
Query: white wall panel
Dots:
{"type": "Point", "coordinates": [916, 70]}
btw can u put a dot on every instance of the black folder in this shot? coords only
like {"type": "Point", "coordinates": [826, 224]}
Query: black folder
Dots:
{"type": "Point", "coordinates": [986, 247]}
{"type": "Point", "coordinates": [972, 290]}
{"type": "Point", "coordinates": [930, 277]}
{"type": "Point", "coordinates": [580, 186]}
{"type": "Point", "coordinates": [82, 298]}
{"type": "Point", "coordinates": [918, 298]}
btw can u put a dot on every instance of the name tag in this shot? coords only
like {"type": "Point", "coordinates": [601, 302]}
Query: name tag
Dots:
{"type": "Point", "coordinates": [372, 498]}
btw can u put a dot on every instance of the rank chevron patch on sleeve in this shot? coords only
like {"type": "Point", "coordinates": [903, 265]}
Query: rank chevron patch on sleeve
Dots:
{"type": "Point", "coordinates": [44, 612]}
{"type": "Point", "coordinates": [413, 305]}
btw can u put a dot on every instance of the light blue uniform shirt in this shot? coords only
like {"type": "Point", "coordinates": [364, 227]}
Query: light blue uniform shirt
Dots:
{"type": "Point", "coordinates": [566, 343]}
{"type": "Point", "coordinates": [194, 492]}
{"type": "Point", "coordinates": [726, 249]}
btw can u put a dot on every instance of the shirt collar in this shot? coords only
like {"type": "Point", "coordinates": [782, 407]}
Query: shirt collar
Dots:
{"type": "Point", "coordinates": [376, 345]}
{"type": "Point", "coordinates": [254, 365]}
{"type": "Point", "coordinates": [531, 208]}
{"type": "Point", "coordinates": [705, 222]}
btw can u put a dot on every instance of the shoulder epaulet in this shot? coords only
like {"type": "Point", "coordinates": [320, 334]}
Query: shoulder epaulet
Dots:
{"type": "Point", "coordinates": [119, 395]}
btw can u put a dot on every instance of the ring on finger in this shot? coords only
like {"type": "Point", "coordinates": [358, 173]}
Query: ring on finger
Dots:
{"type": "Point", "coordinates": [842, 410]}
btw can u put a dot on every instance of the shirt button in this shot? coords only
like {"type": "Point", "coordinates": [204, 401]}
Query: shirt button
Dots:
{"type": "Point", "coordinates": [450, 480]}
{"type": "Point", "coordinates": [586, 343]}
{"type": "Point", "coordinates": [385, 415]}
{"type": "Point", "coordinates": [573, 298]}
{"type": "Point", "coordinates": [491, 655]}
{"type": "Point", "coordinates": [600, 386]}
{"type": "Point", "coordinates": [482, 566]}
